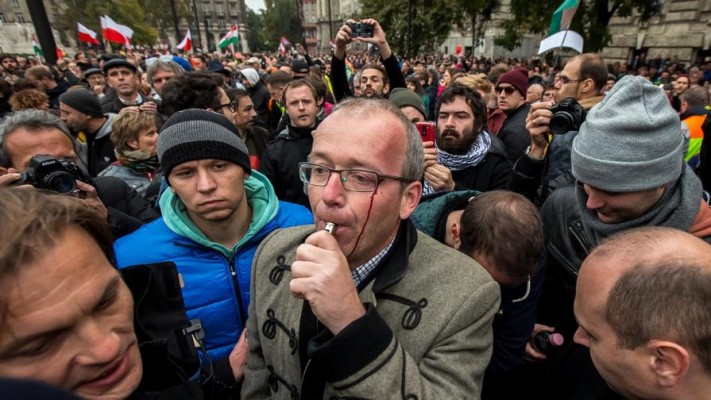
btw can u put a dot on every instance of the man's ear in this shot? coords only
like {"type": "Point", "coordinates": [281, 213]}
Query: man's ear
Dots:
{"type": "Point", "coordinates": [669, 362]}
{"type": "Point", "coordinates": [386, 88]}
{"type": "Point", "coordinates": [456, 232]}
{"type": "Point", "coordinates": [410, 199]}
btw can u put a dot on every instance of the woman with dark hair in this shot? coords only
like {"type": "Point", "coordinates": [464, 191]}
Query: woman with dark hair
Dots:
{"type": "Point", "coordinates": [413, 83]}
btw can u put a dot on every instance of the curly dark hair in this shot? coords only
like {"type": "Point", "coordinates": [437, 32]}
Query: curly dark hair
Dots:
{"type": "Point", "coordinates": [191, 90]}
{"type": "Point", "coordinates": [472, 98]}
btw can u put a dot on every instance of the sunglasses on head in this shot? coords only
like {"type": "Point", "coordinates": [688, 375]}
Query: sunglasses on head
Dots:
{"type": "Point", "coordinates": [507, 89]}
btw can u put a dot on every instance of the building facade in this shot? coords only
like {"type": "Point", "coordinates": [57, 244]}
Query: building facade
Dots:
{"type": "Point", "coordinates": [681, 32]}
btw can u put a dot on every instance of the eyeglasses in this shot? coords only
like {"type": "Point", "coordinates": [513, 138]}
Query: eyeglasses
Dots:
{"type": "Point", "coordinates": [354, 180]}
{"type": "Point", "coordinates": [565, 79]}
{"type": "Point", "coordinates": [507, 89]}
{"type": "Point", "coordinates": [231, 105]}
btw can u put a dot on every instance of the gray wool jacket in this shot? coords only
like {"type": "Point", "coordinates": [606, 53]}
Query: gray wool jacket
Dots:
{"type": "Point", "coordinates": [427, 331]}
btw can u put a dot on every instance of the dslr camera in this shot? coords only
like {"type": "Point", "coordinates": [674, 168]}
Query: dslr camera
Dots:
{"type": "Point", "coordinates": [359, 29]}
{"type": "Point", "coordinates": [568, 115]}
{"type": "Point", "coordinates": [55, 174]}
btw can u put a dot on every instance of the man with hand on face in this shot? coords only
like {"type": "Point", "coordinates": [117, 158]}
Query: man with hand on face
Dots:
{"type": "Point", "coordinates": [26, 134]}
{"type": "Point", "coordinates": [642, 305]}
{"type": "Point", "coordinates": [464, 155]}
{"type": "Point", "coordinates": [375, 80]}
{"type": "Point", "coordinates": [548, 157]}
{"type": "Point", "coordinates": [280, 161]}
{"type": "Point", "coordinates": [255, 138]}
{"type": "Point", "coordinates": [361, 305]}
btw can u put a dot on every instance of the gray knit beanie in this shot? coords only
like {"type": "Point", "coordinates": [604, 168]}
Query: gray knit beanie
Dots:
{"type": "Point", "coordinates": [84, 101]}
{"type": "Point", "coordinates": [195, 134]}
{"type": "Point", "coordinates": [631, 141]}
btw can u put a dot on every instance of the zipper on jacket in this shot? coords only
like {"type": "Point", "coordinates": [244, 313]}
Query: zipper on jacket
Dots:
{"type": "Point", "coordinates": [238, 292]}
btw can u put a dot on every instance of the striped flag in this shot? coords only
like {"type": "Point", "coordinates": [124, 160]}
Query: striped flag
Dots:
{"type": "Point", "coordinates": [232, 37]}
{"type": "Point", "coordinates": [187, 43]}
{"type": "Point", "coordinates": [86, 35]}
{"type": "Point", "coordinates": [36, 48]}
{"type": "Point", "coordinates": [115, 33]}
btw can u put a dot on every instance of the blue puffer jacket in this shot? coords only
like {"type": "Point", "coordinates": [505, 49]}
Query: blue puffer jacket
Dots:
{"type": "Point", "coordinates": [216, 279]}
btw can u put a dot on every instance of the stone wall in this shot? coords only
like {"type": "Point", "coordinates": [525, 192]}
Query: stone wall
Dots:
{"type": "Point", "coordinates": [682, 31]}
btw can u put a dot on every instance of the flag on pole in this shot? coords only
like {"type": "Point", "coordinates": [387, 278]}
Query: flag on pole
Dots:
{"type": "Point", "coordinates": [232, 37]}
{"type": "Point", "coordinates": [563, 16]}
{"type": "Point", "coordinates": [86, 35]}
{"type": "Point", "coordinates": [36, 47]}
{"type": "Point", "coordinates": [283, 44]}
{"type": "Point", "coordinates": [60, 53]}
{"type": "Point", "coordinates": [187, 43]}
{"type": "Point", "coordinates": [114, 32]}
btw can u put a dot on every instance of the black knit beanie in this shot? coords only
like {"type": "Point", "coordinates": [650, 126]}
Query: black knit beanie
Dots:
{"type": "Point", "coordinates": [83, 101]}
{"type": "Point", "coordinates": [196, 134]}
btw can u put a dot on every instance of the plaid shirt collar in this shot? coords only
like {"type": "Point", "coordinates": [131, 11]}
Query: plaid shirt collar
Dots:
{"type": "Point", "coordinates": [361, 273]}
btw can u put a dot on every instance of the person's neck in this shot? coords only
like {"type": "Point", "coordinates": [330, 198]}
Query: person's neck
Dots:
{"type": "Point", "coordinates": [95, 124]}
{"type": "Point", "coordinates": [229, 231]}
{"type": "Point", "coordinates": [132, 99]}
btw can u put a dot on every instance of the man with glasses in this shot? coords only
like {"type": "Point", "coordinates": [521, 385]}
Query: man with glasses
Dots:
{"type": "Point", "coordinates": [215, 214]}
{"type": "Point", "coordinates": [584, 79]}
{"type": "Point", "coordinates": [362, 305]}
{"type": "Point", "coordinates": [292, 145]}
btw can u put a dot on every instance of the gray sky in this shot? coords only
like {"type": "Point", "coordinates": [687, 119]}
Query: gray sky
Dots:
{"type": "Point", "coordinates": [255, 5]}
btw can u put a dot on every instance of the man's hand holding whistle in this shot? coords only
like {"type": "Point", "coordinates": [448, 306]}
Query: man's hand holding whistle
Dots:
{"type": "Point", "coordinates": [321, 276]}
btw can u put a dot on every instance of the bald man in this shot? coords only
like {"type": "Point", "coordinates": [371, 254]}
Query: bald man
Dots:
{"type": "Point", "coordinates": [642, 304]}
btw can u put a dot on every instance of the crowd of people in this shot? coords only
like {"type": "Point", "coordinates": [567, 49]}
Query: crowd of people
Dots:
{"type": "Point", "coordinates": [171, 228]}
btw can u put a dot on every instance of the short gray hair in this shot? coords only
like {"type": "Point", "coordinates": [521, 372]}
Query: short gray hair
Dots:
{"type": "Point", "coordinates": [413, 167]}
{"type": "Point", "coordinates": [33, 121]}
{"type": "Point", "coordinates": [170, 66]}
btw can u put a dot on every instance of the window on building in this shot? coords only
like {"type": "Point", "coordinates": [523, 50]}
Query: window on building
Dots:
{"type": "Point", "coordinates": [206, 9]}
{"type": "Point", "coordinates": [15, 3]}
{"type": "Point", "coordinates": [2, 18]}
{"type": "Point", "coordinates": [219, 9]}
{"type": "Point", "coordinates": [19, 18]}
{"type": "Point", "coordinates": [222, 23]}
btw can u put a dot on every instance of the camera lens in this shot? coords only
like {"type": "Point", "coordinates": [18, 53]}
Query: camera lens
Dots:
{"type": "Point", "coordinates": [561, 123]}
{"type": "Point", "coordinates": [60, 182]}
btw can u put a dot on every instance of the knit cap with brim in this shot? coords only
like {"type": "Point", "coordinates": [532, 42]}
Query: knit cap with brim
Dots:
{"type": "Point", "coordinates": [196, 134]}
{"type": "Point", "coordinates": [631, 141]}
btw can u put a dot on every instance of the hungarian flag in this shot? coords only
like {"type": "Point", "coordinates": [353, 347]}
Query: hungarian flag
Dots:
{"type": "Point", "coordinates": [86, 35]}
{"type": "Point", "coordinates": [563, 16]}
{"type": "Point", "coordinates": [187, 43]}
{"type": "Point", "coordinates": [36, 48]}
{"type": "Point", "coordinates": [115, 33]}
{"type": "Point", "coordinates": [232, 37]}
